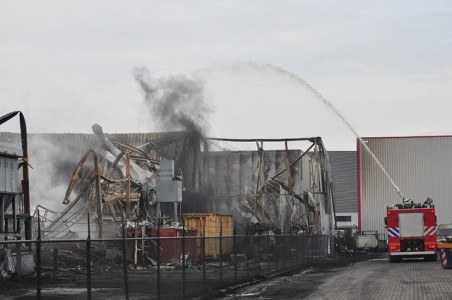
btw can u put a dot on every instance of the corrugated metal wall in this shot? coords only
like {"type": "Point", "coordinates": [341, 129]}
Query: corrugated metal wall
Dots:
{"type": "Point", "coordinates": [421, 167]}
{"type": "Point", "coordinates": [233, 174]}
{"type": "Point", "coordinates": [345, 186]}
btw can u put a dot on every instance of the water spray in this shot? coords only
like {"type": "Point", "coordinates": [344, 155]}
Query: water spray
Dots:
{"type": "Point", "coordinates": [337, 112]}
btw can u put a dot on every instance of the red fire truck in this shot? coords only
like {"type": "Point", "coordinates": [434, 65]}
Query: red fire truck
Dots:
{"type": "Point", "coordinates": [411, 230]}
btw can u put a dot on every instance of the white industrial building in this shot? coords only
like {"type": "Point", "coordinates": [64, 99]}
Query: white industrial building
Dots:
{"type": "Point", "coordinates": [343, 166]}
{"type": "Point", "coordinates": [417, 166]}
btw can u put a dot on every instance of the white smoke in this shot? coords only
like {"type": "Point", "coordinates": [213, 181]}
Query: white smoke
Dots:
{"type": "Point", "coordinates": [48, 180]}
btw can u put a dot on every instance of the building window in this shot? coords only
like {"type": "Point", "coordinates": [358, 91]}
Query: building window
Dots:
{"type": "Point", "coordinates": [343, 218]}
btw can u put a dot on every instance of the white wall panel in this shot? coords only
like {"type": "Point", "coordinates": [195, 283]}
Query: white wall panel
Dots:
{"type": "Point", "coordinates": [420, 167]}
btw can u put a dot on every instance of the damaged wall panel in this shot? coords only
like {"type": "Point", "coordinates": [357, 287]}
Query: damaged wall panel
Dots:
{"type": "Point", "coordinates": [240, 175]}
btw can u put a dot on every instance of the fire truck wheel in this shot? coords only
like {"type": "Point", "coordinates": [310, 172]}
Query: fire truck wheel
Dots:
{"type": "Point", "coordinates": [393, 259]}
{"type": "Point", "coordinates": [432, 257]}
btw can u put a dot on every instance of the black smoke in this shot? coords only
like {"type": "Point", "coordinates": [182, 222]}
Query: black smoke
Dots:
{"type": "Point", "coordinates": [175, 102]}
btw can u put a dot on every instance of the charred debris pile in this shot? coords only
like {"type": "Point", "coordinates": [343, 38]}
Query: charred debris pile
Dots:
{"type": "Point", "coordinates": [148, 182]}
{"type": "Point", "coordinates": [143, 183]}
{"type": "Point", "coordinates": [153, 179]}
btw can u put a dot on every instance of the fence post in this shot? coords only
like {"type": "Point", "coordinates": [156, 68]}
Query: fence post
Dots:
{"type": "Point", "coordinates": [321, 246]}
{"type": "Point", "coordinates": [158, 259]}
{"type": "Point", "coordinates": [55, 263]}
{"type": "Point", "coordinates": [259, 253]}
{"type": "Point", "coordinates": [247, 256]}
{"type": "Point", "coordinates": [203, 257]}
{"type": "Point", "coordinates": [304, 248]}
{"type": "Point", "coordinates": [38, 260]}
{"type": "Point", "coordinates": [318, 241]}
{"type": "Point", "coordinates": [268, 251]}
{"type": "Point", "coordinates": [88, 262]}
{"type": "Point", "coordinates": [183, 259]}
{"type": "Point", "coordinates": [221, 253]}
{"type": "Point", "coordinates": [234, 248]}
{"type": "Point", "coordinates": [19, 259]}
{"type": "Point", "coordinates": [284, 248]}
{"type": "Point", "coordinates": [124, 257]}
{"type": "Point", "coordinates": [276, 251]}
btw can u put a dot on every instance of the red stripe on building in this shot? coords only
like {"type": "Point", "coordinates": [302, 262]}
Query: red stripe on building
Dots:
{"type": "Point", "coordinates": [358, 152]}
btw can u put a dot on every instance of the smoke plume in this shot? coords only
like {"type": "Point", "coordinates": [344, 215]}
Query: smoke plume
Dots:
{"type": "Point", "coordinates": [176, 102]}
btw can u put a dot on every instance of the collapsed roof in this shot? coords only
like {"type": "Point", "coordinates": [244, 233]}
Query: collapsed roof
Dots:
{"type": "Point", "coordinates": [279, 190]}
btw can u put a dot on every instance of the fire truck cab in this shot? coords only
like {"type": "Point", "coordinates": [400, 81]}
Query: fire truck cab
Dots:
{"type": "Point", "coordinates": [411, 231]}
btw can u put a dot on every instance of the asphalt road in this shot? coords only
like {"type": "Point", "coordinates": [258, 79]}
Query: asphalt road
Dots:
{"type": "Point", "coordinates": [363, 277]}
{"type": "Point", "coordinates": [345, 277]}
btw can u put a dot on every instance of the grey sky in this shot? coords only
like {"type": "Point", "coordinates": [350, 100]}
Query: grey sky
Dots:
{"type": "Point", "coordinates": [386, 65]}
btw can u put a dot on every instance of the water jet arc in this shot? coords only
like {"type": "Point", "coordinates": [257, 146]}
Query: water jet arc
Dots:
{"type": "Point", "coordinates": [338, 113]}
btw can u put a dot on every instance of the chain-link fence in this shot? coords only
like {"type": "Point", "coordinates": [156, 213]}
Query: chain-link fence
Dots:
{"type": "Point", "coordinates": [165, 263]}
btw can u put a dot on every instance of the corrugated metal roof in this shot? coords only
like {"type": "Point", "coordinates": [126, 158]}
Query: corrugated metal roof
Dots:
{"type": "Point", "coordinates": [345, 180]}
{"type": "Point", "coordinates": [420, 167]}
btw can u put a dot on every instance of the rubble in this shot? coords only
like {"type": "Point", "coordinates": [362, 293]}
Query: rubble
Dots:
{"type": "Point", "coordinates": [117, 187]}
